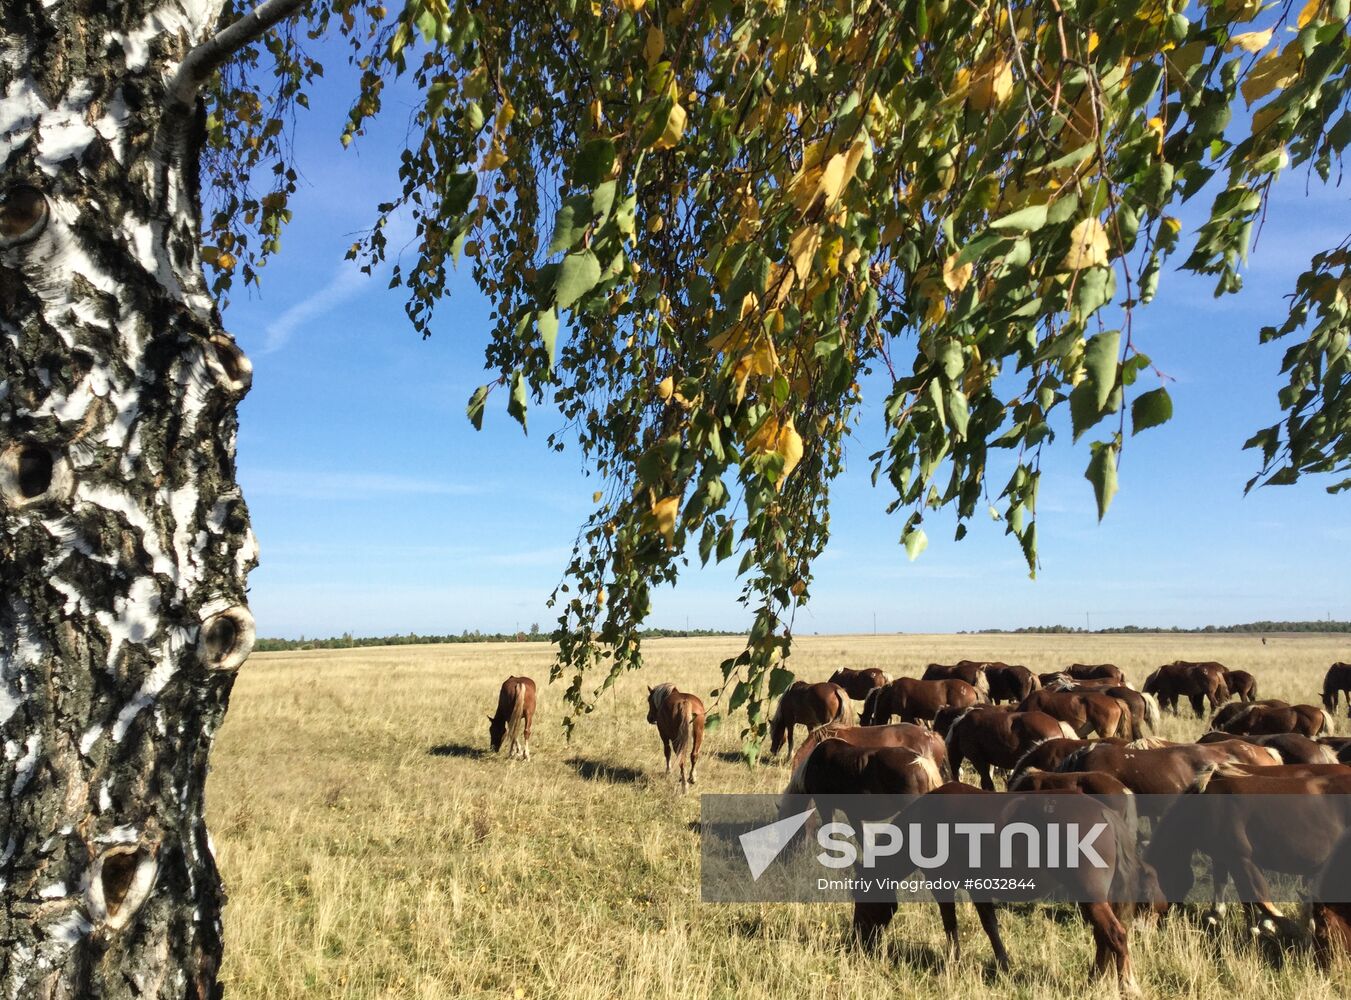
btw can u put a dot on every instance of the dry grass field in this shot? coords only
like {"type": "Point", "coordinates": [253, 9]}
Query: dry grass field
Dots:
{"type": "Point", "coordinates": [372, 847]}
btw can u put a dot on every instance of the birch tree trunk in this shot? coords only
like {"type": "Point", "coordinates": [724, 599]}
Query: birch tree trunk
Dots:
{"type": "Point", "coordinates": [124, 541]}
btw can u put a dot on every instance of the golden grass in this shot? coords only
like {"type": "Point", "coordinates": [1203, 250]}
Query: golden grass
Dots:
{"type": "Point", "coordinates": [372, 848]}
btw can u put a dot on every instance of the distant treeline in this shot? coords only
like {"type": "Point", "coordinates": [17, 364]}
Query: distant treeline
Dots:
{"type": "Point", "coordinates": [535, 634]}
{"type": "Point", "coordinates": [1249, 628]}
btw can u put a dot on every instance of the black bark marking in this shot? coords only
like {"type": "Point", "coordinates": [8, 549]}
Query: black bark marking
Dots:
{"type": "Point", "coordinates": [23, 214]}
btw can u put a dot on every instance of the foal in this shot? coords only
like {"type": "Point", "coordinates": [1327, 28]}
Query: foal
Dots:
{"type": "Point", "coordinates": [679, 718]}
{"type": "Point", "coordinates": [515, 712]}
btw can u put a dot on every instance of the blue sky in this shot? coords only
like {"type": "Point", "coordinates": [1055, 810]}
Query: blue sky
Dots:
{"type": "Point", "coordinates": [380, 510]}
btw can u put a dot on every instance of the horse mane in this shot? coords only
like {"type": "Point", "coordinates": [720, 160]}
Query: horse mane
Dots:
{"type": "Point", "coordinates": [658, 695]}
{"type": "Point", "coordinates": [1148, 743]}
{"type": "Point", "coordinates": [886, 676]}
{"type": "Point", "coordinates": [926, 764]}
{"type": "Point", "coordinates": [1074, 761]}
{"type": "Point", "coordinates": [952, 729]}
{"type": "Point", "coordinates": [1202, 779]}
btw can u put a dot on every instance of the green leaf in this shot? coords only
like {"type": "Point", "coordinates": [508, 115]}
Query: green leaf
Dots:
{"type": "Point", "coordinates": [1024, 220]}
{"type": "Point", "coordinates": [475, 409]}
{"type": "Point", "coordinates": [1150, 409]}
{"type": "Point", "coordinates": [916, 541]}
{"type": "Point", "coordinates": [594, 162]}
{"type": "Point", "coordinates": [780, 680]}
{"type": "Point", "coordinates": [1101, 473]}
{"type": "Point", "coordinates": [1101, 355]}
{"type": "Point", "coordinates": [577, 274]}
{"type": "Point", "coordinates": [547, 321]}
{"type": "Point", "coordinates": [517, 404]}
{"type": "Point", "coordinates": [459, 192]}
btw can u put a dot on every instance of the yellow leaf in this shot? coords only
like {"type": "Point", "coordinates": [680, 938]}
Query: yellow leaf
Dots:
{"type": "Point", "coordinates": [766, 436]}
{"type": "Point", "coordinates": [789, 445]}
{"type": "Point", "coordinates": [675, 128]}
{"type": "Point", "coordinates": [1274, 71]}
{"type": "Point", "coordinates": [1251, 41]}
{"type": "Point", "coordinates": [1309, 12]}
{"type": "Point", "coordinates": [832, 179]}
{"type": "Point", "coordinates": [1088, 245]}
{"type": "Point", "coordinates": [653, 45]}
{"type": "Point", "coordinates": [666, 387]}
{"type": "Point", "coordinates": [664, 513]}
{"type": "Point", "coordinates": [595, 497]}
{"type": "Point", "coordinates": [495, 157]}
{"type": "Point", "coordinates": [956, 275]}
{"type": "Point", "coordinates": [802, 249]}
{"type": "Point", "coordinates": [992, 84]}
{"type": "Point", "coordinates": [633, 6]}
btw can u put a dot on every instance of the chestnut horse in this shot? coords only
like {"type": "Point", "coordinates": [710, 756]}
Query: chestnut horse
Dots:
{"type": "Point", "coordinates": [679, 718]}
{"type": "Point", "coordinates": [971, 671]}
{"type": "Point", "coordinates": [1233, 710]}
{"type": "Point", "coordinates": [990, 737]}
{"type": "Point", "coordinates": [921, 739]}
{"type": "Point", "coordinates": [1146, 714]}
{"type": "Point", "coordinates": [857, 683]}
{"type": "Point", "coordinates": [1197, 682]}
{"type": "Point", "coordinates": [810, 705]}
{"type": "Point", "coordinates": [1010, 681]}
{"type": "Point", "coordinates": [1293, 748]}
{"type": "Point", "coordinates": [1337, 681]}
{"type": "Point", "coordinates": [1085, 711]}
{"type": "Point", "coordinates": [1264, 720]}
{"type": "Point", "coordinates": [913, 700]}
{"type": "Point", "coordinates": [1126, 877]}
{"type": "Point", "coordinates": [515, 713]}
{"type": "Point", "coordinates": [1241, 684]}
{"type": "Point", "coordinates": [1095, 672]}
{"type": "Point", "coordinates": [1047, 756]}
{"type": "Point", "coordinates": [1117, 796]}
{"type": "Point", "coordinates": [1331, 906]}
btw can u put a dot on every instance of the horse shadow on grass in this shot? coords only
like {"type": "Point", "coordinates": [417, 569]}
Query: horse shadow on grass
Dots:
{"type": "Point", "coordinates": [598, 770]}
{"type": "Point", "coordinates": [459, 750]}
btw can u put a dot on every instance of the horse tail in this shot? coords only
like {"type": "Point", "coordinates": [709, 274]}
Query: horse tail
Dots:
{"type": "Point", "coordinates": [1153, 714]}
{"type": "Point", "coordinates": [1147, 743]}
{"type": "Point", "coordinates": [1126, 724]}
{"type": "Point", "coordinates": [844, 714]}
{"type": "Point", "coordinates": [950, 745]}
{"type": "Point", "coordinates": [930, 769]}
{"type": "Point", "coordinates": [886, 676]}
{"type": "Point", "coordinates": [1202, 779]}
{"type": "Point", "coordinates": [1329, 727]}
{"type": "Point", "coordinates": [982, 684]}
{"type": "Point", "coordinates": [1128, 875]}
{"type": "Point", "coordinates": [1067, 731]}
{"type": "Point", "coordinates": [517, 715]}
{"type": "Point", "coordinates": [797, 781]}
{"type": "Point", "coordinates": [684, 740]}
{"type": "Point", "coordinates": [1033, 683]}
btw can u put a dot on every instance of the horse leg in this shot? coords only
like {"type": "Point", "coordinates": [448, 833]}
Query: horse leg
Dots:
{"type": "Point", "coordinates": [1113, 941]}
{"type": "Point", "coordinates": [698, 741]}
{"type": "Point", "coordinates": [986, 780]}
{"type": "Point", "coordinates": [989, 921]}
{"type": "Point", "coordinates": [666, 747]}
{"type": "Point", "coordinates": [870, 920]}
{"type": "Point", "coordinates": [948, 911]}
{"type": "Point", "coordinates": [1198, 705]}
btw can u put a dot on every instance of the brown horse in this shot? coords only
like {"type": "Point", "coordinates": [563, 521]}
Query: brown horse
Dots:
{"type": "Point", "coordinates": [990, 737]}
{"type": "Point", "coordinates": [1331, 906]}
{"type": "Point", "coordinates": [921, 739]}
{"type": "Point", "coordinates": [835, 767]}
{"type": "Point", "coordinates": [810, 705]}
{"type": "Point", "coordinates": [857, 683]}
{"type": "Point", "coordinates": [1234, 709]}
{"type": "Point", "coordinates": [515, 713]}
{"type": "Point", "coordinates": [1125, 877]}
{"type": "Point", "coordinates": [1241, 684]}
{"type": "Point", "coordinates": [1163, 770]}
{"type": "Point", "coordinates": [1095, 672]}
{"type": "Point", "coordinates": [1085, 711]}
{"type": "Point", "coordinates": [1251, 835]}
{"type": "Point", "coordinates": [679, 718]}
{"type": "Point", "coordinates": [1265, 720]}
{"type": "Point", "coordinates": [1197, 682]}
{"type": "Point", "coordinates": [914, 700]}
{"type": "Point", "coordinates": [971, 671]}
{"type": "Point", "coordinates": [1096, 783]}
{"type": "Point", "coordinates": [1293, 748]}
{"type": "Point", "coordinates": [1337, 681]}
{"type": "Point", "coordinates": [1048, 756]}
{"type": "Point", "coordinates": [1010, 681]}
{"type": "Point", "coordinates": [1145, 712]}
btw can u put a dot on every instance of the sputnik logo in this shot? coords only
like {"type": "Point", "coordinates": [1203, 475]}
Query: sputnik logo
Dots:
{"type": "Point", "coordinates": [765, 843]}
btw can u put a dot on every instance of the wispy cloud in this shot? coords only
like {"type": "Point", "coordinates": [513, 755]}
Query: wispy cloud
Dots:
{"type": "Point", "coordinates": [310, 485]}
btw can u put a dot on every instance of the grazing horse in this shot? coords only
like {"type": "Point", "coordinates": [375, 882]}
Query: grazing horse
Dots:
{"type": "Point", "coordinates": [836, 767]}
{"type": "Point", "coordinates": [1144, 708]}
{"type": "Point", "coordinates": [1117, 796]}
{"type": "Point", "coordinates": [810, 705]}
{"type": "Point", "coordinates": [1086, 711]}
{"type": "Point", "coordinates": [1234, 709]}
{"type": "Point", "coordinates": [1048, 756]}
{"type": "Point", "coordinates": [921, 739]}
{"type": "Point", "coordinates": [1010, 681]}
{"type": "Point", "coordinates": [914, 700]}
{"type": "Point", "coordinates": [857, 683]}
{"type": "Point", "coordinates": [1244, 834]}
{"type": "Point", "coordinates": [1197, 682]}
{"type": "Point", "coordinates": [1331, 906]}
{"type": "Point", "coordinates": [1266, 720]}
{"type": "Point", "coordinates": [1337, 681]}
{"type": "Point", "coordinates": [1095, 672]}
{"type": "Point", "coordinates": [1293, 748]}
{"type": "Point", "coordinates": [679, 718]}
{"type": "Point", "coordinates": [1163, 770]}
{"type": "Point", "coordinates": [971, 671]}
{"type": "Point", "coordinates": [1241, 684]}
{"type": "Point", "coordinates": [990, 737]}
{"type": "Point", "coordinates": [1125, 877]}
{"type": "Point", "coordinates": [515, 713]}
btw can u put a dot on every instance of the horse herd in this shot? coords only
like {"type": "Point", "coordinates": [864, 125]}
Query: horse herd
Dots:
{"type": "Point", "coordinates": [1083, 730]}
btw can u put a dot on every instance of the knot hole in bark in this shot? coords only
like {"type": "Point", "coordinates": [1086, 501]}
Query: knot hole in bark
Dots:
{"type": "Point", "coordinates": [226, 639]}
{"type": "Point", "coordinates": [23, 214]}
{"type": "Point", "coordinates": [233, 366]}
{"type": "Point", "coordinates": [30, 473]}
{"type": "Point", "coordinates": [122, 880]}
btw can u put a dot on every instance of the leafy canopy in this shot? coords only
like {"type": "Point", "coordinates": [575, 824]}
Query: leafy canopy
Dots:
{"type": "Point", "coordinates": [699, 222]}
